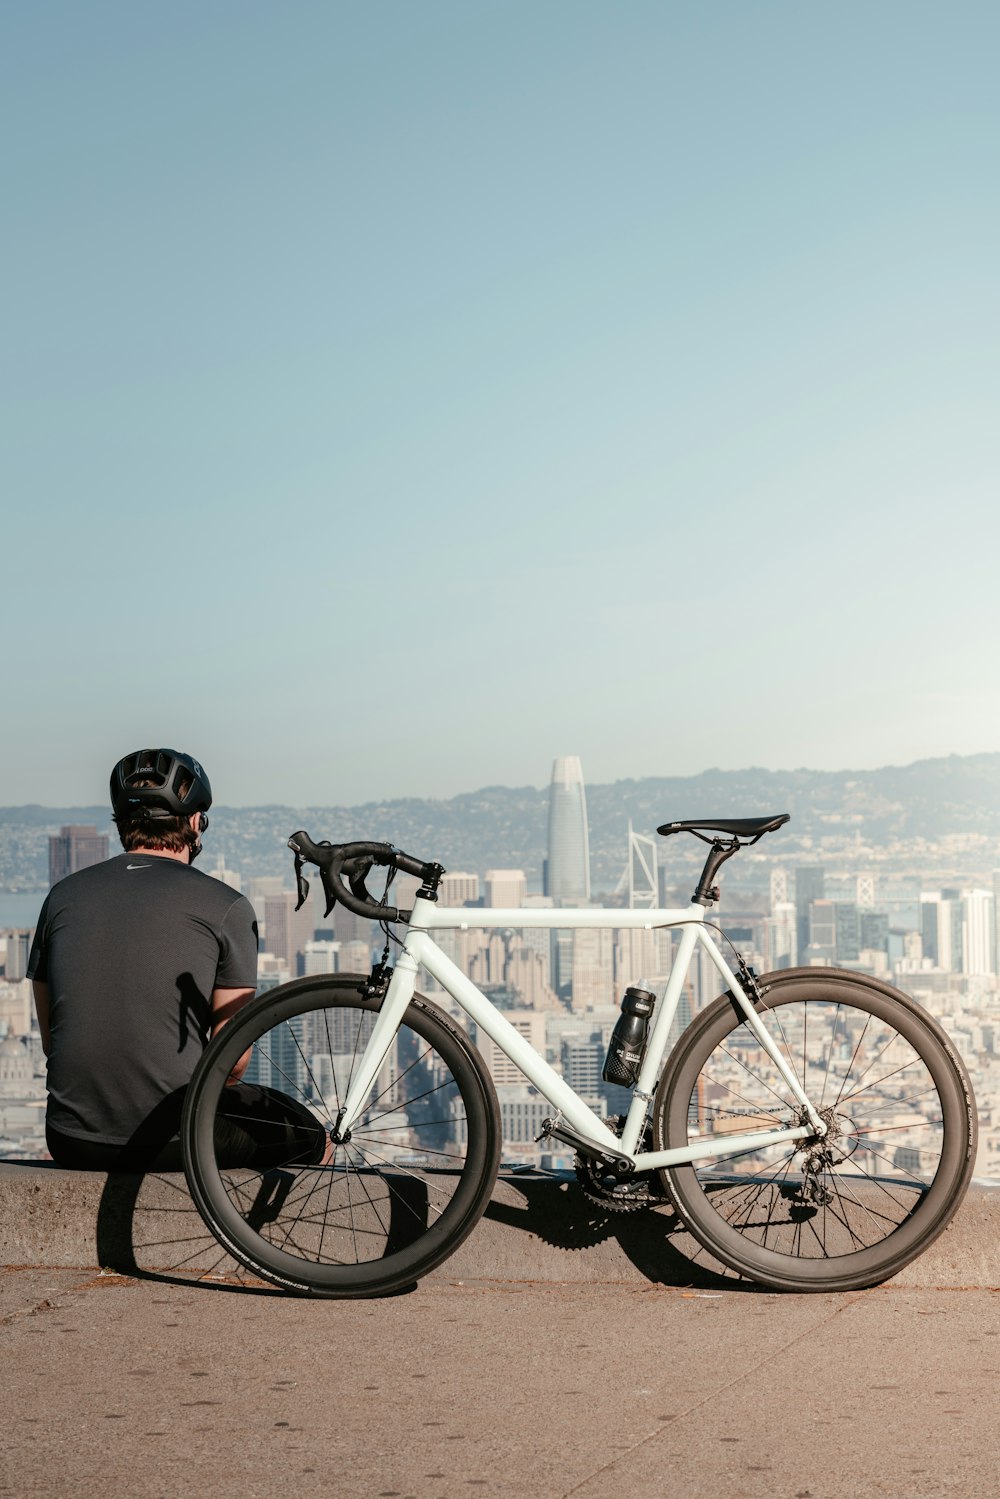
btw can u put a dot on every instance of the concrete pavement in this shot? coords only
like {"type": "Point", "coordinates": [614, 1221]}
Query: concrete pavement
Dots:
{"type": "Point", "coordinates": [164, 1390]}
{"type": "Point", "coordinates": [559, 1353]}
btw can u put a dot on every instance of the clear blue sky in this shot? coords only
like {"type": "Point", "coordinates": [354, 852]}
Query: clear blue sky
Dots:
{"type": "Point", "coordinates": [399, 395]}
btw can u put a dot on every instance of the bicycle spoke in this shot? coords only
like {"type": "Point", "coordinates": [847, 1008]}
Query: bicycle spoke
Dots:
{"type": "Point", "coordinates": [405, 1171]}
{"type": "Point", "coordinates": [409, 1102]}
{"type": "Point", "coordinates": [388, 1128]}
{"type": "Point", "coordinates": [736, 1094]}
{"type": "Point", "coordinates": [829, 1056]}
{"type": "Point", "coordinates": [364, 1187]}
{"type": "Point", "coordinates": [881, 1080]}
{"type": "Point", "coordinates": [750, 1072]}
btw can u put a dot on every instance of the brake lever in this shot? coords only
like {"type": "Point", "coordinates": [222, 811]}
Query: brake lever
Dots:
{"type": "Point", "coordinates": [329, 889]}
{"type": "Point", "coordinates": [301, 882]}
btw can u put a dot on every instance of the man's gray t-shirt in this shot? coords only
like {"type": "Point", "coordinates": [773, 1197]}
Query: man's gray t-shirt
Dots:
{"type": "Point", "coordinates": [131, 950]}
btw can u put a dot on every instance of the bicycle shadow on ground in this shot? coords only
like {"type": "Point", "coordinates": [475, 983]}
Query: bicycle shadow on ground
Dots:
{"type": "Point", "coordinates": [554, 1209]}
{"type": "Point", "coordinates": [148, 1228]}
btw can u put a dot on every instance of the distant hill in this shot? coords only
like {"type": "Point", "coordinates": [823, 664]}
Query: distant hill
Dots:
{"type": "Point", "coordinates": [504, 826]}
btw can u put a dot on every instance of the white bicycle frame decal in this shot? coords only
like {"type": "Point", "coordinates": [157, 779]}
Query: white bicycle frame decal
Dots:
{"type": "Point", "coordinates": [421, 951]}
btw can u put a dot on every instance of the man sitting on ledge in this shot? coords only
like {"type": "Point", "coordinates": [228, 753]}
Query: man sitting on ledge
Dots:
{"type": "Point", "coordinates": [134, 962]}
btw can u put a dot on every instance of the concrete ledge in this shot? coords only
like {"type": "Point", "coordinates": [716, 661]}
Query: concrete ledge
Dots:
{"type": "Point", "coordinates": [538, 1227]}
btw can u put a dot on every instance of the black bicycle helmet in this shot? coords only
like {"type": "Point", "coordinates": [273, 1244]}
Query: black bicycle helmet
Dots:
{"type": "Point", "coordinates": [167, 770]}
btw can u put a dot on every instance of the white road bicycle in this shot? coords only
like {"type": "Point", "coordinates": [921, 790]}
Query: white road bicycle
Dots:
{"type": "Point", "coordinates": [814, 1128]}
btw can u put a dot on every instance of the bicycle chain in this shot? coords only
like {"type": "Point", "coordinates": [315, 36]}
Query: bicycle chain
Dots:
{"type": "Point", "coordinates": [601, 1185]}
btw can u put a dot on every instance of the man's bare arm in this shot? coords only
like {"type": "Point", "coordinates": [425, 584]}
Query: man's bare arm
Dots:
{"type": "Point", "coordinates": [225, 1004]}
{"type": "Point", "coordinates": [40, 991]}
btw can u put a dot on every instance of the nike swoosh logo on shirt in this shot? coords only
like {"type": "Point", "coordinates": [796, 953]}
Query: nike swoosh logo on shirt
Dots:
{"type": "Point", "coordinates": [138, 866]}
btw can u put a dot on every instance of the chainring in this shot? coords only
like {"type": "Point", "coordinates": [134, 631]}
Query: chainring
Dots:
{"type": "Point", "coordinates": [601, 1183]}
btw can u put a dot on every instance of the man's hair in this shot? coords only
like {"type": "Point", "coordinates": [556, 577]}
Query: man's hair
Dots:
{"type": "Point", "coordinates": [168, 834]}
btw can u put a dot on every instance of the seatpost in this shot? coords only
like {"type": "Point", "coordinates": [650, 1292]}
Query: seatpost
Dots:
{"type": "Point", "coordinates": [706, 891]}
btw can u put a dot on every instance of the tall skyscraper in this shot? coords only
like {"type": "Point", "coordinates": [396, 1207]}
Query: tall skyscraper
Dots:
{"type": "Point", "coordinates": [227, 876]}
{"type": "Point", "coordinates": [320, 957]}
{"type": "Point", "coordinates": [780, 945]}
{"type": "Point", "coordinates": [941, 928]}
{"type": "Point", "coordinates": [568, 866]}
{"type": "Point", "coordinates": [809, 886]}
{"type": "Point", "coordinates": [527, 974]}
{"type": "Point", "coordinates": [457, 887]}
{"type": "Point", "coordinates": [348, 926]}
{"type": "Point", "coordinates": [75, 848]}
{"type": "Point", "coordinates": [18, 947]}
{"type": "Point", "coordinates": [822, 945]}
{"type": "Point", "coordinates": [593, 968]}
{"type": "Point", "coordinates": [286, 931]}
{"type": "Point", "coordinates": [505, 888]}
{"type": "Point", "coordinates": [978, 954]}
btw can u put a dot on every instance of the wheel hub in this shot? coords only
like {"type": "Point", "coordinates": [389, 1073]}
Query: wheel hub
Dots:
{"type": "Point", "coordinates": [838, 1142]}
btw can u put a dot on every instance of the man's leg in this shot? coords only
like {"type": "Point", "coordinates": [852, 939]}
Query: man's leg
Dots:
{"type": "Point", "coordinates": [266, 1129]}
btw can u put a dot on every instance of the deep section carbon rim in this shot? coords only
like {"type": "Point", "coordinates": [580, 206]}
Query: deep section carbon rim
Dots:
{"type": "Point", "coordinates": [361, 1217]}
{"type": "Point", "coordinates": [841, 1211]}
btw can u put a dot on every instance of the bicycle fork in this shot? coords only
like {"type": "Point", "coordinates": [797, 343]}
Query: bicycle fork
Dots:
{"type": "Point", "coordinates": [397, 998]}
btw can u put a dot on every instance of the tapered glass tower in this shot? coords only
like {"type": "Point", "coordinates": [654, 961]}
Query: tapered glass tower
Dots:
{"type": "Point", "coordinates": [568, 867]}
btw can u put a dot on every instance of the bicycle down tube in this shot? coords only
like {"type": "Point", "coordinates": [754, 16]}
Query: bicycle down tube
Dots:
{"type": "Point", "coordinates": [420, 951]}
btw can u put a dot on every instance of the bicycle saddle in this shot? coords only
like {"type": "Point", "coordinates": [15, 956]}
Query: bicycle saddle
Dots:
{"type": "Point", "coordinates": [737, 827]}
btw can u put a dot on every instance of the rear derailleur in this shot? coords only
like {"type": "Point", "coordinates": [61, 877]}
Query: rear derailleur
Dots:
{"type": "Point", "coordinates": [814, 1190]}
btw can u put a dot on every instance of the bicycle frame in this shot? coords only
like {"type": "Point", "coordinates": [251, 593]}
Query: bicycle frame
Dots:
{"type": "Point", "coordinates": [421, 951]}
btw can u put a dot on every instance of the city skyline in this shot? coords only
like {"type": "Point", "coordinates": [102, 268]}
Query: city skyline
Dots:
{"type": "Point", "coordinates": [615, 377]}
{"type": "Point", "coordinates": [942, 816]}
{"type": "Point", "coordinates": [558, 987]}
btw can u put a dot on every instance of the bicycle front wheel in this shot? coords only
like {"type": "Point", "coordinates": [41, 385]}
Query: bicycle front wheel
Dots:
{"type": "Point", "coordinates": [361, 1218]}
{"type": "Point", "coordinates": [831, 1213]}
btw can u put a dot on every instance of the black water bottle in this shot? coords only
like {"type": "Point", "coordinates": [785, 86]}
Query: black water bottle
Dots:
{"type": "Point", "coordinates": [628, 1039]}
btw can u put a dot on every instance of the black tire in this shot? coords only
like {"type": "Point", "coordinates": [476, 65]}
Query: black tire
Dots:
{"type": "Point", "coordinates": [902, 1144]}
{"type": "Point", "coordinates": [389, 1205]}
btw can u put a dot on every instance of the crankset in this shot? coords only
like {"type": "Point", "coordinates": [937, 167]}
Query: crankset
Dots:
{"type": "Point", "coordinates": [602, 1183]}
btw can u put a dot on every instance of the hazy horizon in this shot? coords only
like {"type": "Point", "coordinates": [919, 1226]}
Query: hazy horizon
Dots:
{"type": "Point", "coordinates": [539, 786]}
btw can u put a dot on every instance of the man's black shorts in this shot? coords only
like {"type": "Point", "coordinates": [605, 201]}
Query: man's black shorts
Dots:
{"type": "Point", "coordinates": [256, 1127]}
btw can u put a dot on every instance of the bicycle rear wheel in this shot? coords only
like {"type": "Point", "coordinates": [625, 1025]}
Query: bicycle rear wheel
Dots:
{"type": "Point", "coordinates": [369, 1216]}
{"type": "Point", "coordinates": [822, 1214]}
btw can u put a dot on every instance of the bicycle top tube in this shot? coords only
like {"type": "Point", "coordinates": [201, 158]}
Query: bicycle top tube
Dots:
{"type": "Point", "coordinates": [427, 916]}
